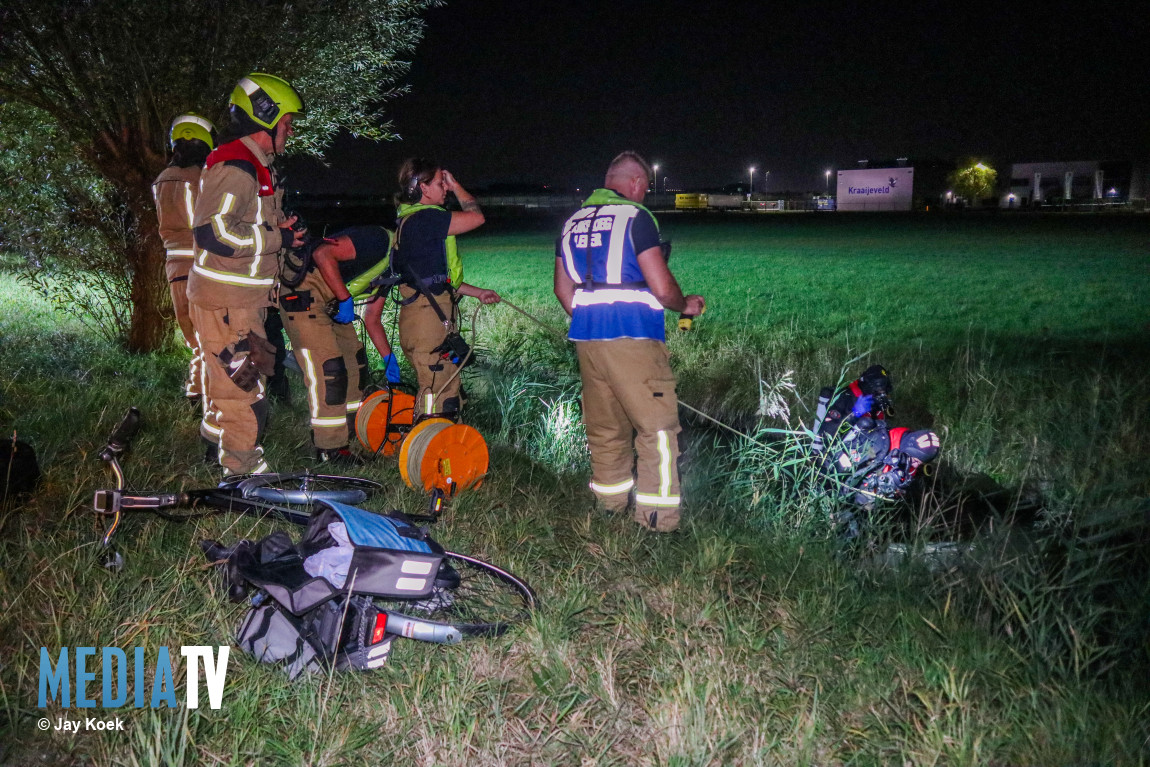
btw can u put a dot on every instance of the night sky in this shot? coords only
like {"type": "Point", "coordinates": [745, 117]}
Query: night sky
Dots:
{"type": "Point", "coordinates": [514, 91]}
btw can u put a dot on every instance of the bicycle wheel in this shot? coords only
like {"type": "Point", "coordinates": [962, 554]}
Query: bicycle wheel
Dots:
{"type": "Point", "coordinates": [301, 488]}
{"type": "Point", "coordinates": [473, 597]}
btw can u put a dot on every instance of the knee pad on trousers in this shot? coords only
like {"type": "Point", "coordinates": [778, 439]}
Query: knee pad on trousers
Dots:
{"type": "Point", "coordinates": [335, 381]}
{"type": "Point", "coordinates": [450, 405]}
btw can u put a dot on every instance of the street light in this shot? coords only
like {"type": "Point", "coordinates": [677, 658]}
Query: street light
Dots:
{"type": "Point", "coordinates": [656, 178]}
{"type": "Point", "coordinates": [751, 188]}
{"type": "Point", "coordinates": [828, 175]}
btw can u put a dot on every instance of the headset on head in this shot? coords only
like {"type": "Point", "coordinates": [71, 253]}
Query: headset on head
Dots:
{"type": "Point", "coordinates": [412, 193]}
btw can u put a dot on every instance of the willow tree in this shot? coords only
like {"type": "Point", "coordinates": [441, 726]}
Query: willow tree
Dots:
{"type": "Point", "coordinates": [974, 181]}
{"type": "Point", "coordinates": [107, 76]}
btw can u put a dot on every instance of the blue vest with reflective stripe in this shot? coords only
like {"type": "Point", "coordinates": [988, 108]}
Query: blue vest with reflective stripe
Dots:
{"type": "Point", "coordinates": [616, 306]}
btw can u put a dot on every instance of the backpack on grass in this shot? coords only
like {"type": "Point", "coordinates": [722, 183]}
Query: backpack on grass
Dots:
{"type": "Point", "coordinates": [313, 609]}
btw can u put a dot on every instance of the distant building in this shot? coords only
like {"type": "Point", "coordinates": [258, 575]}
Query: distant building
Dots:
{"type": "Point", "coordinates": [919, 183]}
{"type": "Point", "coordinates": [875, 189]}
{"type": "Point", "coordinates": [1034, 184]}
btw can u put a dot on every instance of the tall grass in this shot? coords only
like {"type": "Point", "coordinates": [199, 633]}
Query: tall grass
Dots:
{"type": "Point", "coordinates": [750, 637]}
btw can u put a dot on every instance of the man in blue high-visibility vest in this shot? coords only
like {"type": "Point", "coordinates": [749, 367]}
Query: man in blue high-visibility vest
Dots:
{"type": "Point", "coordinates": [612, 277]}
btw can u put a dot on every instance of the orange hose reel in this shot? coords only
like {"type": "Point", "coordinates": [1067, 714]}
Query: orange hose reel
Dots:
{"type": "Point", "coordinates": [444, 455]}
{"type": "Point", "coordinates": [434, 454]}
{"type": "Point", "coordinates": [384, 419]}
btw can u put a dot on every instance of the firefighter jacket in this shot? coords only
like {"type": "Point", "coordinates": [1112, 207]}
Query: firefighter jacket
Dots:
{"type": "Point", "coordinates": [175, 191]}
{"type": "Point", "coordinates": [237, 229]}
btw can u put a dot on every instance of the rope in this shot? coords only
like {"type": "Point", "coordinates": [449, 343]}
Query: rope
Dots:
{"type": "Point", "coordinates": [417, 448]}
{"type": "Point", "coordinates": [462, 362]}
{"type": "Point", "coordinates": [559, 333]}
{"type": "Point", "coordinates": [536, 320]}
{"type": "Point", "coordinates": [556, 331]}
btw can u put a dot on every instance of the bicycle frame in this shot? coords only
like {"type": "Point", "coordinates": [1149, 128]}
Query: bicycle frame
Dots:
{"type": "Point", "coordinates": [240, 496]}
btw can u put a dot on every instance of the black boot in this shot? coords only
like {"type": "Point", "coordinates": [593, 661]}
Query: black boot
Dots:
{"type": "Point", "coordinates": [341, 456]}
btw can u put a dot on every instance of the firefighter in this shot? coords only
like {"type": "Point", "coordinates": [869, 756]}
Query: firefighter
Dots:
{"type": "Point", "coordinates": [240, 230]}
{"type": "Point", "coordinates": [427, 315]}
{"type": "Point", "coordinates": [357, 256]}
{"type": "Point", "coordinates": [868, 396]}
{"type": "Point", "coordinates": [318, 316]}
{"type": "Point", "coordinates": [175, 190]}
{"type": "Point", "coordinates": [612, 278]}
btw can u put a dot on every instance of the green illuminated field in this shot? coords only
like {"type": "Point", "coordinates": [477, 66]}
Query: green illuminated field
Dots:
{"type": "Point", "coordinates": [752, 636]}
{"type": "Point", "coordinates": [1023, 338]}
{"type": "Point", "coordinates": [900, 281]}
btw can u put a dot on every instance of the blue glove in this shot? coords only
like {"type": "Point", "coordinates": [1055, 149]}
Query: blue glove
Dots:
{"type": "Point", "coordinates": [862, 405]}
{"type": "Point", "coordinates": [346, 311]}
{"type": "Point", "coordinates": [391, 368]}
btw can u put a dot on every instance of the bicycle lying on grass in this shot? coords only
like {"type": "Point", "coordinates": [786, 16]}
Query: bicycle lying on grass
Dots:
{"type": "Point", "coordinates": [421, 590]}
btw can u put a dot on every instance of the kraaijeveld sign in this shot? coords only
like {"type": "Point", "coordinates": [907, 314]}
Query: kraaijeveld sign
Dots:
{"type": "Point", "coordinates": [74, 678]}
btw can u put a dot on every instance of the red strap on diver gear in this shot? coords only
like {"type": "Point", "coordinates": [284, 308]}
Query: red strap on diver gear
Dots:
{"type": "Point", "coordinates": [858, 392]}
{"type": "Point", "coordinates": [896, 437]}
{"type": "Point", "coordinates": [237, 150]}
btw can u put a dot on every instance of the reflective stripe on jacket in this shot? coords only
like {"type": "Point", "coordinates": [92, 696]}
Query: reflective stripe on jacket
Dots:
{"type": "Point", "coordinates": [237, 233]}
{"type": "Point", "coordinates": [175, 191]}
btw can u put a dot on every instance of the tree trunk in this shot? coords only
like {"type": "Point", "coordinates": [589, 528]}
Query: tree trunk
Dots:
{"type": "Point", "coordinates": [151, 325]}
{"type": "Point", "coordinates": [131, 165]}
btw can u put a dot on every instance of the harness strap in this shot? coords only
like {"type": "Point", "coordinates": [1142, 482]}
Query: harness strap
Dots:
{"type": "Point", "coordinates": [419, 284]}
{"type": "Point", "coordinates": [589, 263]}
{"type": "Point", "coordinates": [593, 286]}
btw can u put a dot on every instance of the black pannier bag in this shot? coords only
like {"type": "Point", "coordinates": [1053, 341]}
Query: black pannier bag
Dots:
{"type": "Point", "coordinates": [313, 604]}
{"type": "Point", "coordinates": [19, 470]}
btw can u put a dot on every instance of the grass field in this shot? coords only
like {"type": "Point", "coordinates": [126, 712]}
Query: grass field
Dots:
{"type": "Point", "coordinates": [749, 637]}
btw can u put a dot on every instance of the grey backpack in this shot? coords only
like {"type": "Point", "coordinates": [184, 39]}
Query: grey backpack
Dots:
{"type": "Point", "coordinates": [311, 623]}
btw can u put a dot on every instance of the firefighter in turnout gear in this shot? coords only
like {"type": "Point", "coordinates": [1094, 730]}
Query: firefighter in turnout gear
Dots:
{"type": "Point", "coordinates": [427, 315]}
{"type": "Point", "coordinates": [612, 278]}
{"type": "Point", "coordinates": [358, 256]}
{"type": "Point", "coordinates": [318, 315]}
{"type": "Point", "coordinates": [175, 191]}
{"type": "Point", "coordinates": [240, 230]}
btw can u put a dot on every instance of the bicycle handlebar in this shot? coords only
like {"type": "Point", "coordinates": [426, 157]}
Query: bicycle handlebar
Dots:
{"type": "Point", "coordinates": [121, 436]}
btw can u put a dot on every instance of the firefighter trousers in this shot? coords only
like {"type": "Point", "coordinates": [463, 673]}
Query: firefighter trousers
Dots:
{"type": "Point", "coordinates": [177, 273]}
{"type": "Point", "coordinates": [420, 332]}
{"type": "Point", "coordinates": [334, 366]}
{"type": "Point", "coordinates": [235, 418]}
{"type": "Point", "coordinates": [629, 408]}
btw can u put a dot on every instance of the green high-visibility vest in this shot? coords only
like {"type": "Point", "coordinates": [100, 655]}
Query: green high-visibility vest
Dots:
{"type": "Point", "coordinates": [611, 197]}
{"type": "Point", "coordinates": [451, 250]}
{"type": "Point", "coordinates": [359, 285]}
